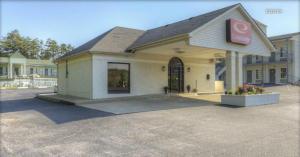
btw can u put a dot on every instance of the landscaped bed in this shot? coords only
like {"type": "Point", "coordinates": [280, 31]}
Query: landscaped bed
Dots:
{"type": "Point", "coordinates": [249, 95]}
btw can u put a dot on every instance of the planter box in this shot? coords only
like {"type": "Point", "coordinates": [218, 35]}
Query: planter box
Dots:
{"type": "Point", "coordinates": [250, 100]}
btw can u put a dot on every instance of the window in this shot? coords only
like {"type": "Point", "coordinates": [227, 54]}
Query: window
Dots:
{"type": "Point", "coordinates": [118, 77]}
{"type": "Point", "coordinates": [51, 72]}
{"type": "Point", "coordinates": [249, 59]}
{"type": "Point", "coordinates": [272, 58]}
{"type": "Point", "coordinates": [283, 52]}
{"type": "Point", "coordinates": [1, 70]}
{"type": "Point", "coordinates": [258, 59]}
{"type": "Point", "coordinates": [46, 72]}
{"type": "Point", "coordinates": [257, 74]}
{"type": "Point", "coordinates": [283, 73]}
{"type": "Point", "coordinates": [31, 70]}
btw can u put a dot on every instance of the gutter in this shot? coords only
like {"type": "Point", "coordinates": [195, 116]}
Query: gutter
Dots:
{"type": "Point", "coordinates": [73, 55]}
{"type": "Point", "coordinates": [159, 42]}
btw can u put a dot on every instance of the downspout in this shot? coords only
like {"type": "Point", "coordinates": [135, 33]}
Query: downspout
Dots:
{"type": "Point", "coordinates": [287, 62]}
{"type": "Point", "coordinates": [262, 71]}
{"type": "Point", "coordinates": [92, 77]}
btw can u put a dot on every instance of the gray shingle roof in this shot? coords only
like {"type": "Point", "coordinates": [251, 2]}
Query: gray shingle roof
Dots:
{"type": "Point", "coordinates": [140, 38]}
{"type": "Point", "coordinates": [284, 36]}
{"type": "Point", "coordinates": [178, 28]}
{"type": "Point", "coordinates": [115, 40]}
{"type": "Point", "coordinates": [86, 46]}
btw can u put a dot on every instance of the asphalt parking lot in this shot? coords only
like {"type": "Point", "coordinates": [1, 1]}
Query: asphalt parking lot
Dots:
{"type": "Point", "coordinates": [166, 126]}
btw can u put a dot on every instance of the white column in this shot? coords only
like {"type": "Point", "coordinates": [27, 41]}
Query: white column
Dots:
{"type": "Point", "coordinates": [10, 70]}
{"type": "Point", "coordinates": [24, 69]}
{"type": "Point", "coordinates": [239, 69]}
{"type": "Point", "coordinates": [21, 70]}
{"type": "Point", "coordinates": [234, 70]}
{"type": "Point", "coordinates": [230, 62]}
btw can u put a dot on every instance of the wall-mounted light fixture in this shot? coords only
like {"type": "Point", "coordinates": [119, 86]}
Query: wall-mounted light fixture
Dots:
{"type": "Point", "coordinates": [211, 60]}
{"type": "Point", "coordinates": [207, 77]}
{"type": "Point", "coordinates": [188, 69]}
{"type": "Point", "coordinates": [163, 68]}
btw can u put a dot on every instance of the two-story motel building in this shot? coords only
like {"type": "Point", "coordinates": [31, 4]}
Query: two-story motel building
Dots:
{"type": "Point", "coordinates": [283, 66]}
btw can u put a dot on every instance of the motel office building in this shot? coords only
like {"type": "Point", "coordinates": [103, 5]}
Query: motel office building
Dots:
{"type": "Point", "coordinates": [130, 62]}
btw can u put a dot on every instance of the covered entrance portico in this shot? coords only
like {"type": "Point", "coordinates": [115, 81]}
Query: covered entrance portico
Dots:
{"type": "Point", "coordinates": [192, 55]}
{"type": "Point", "coordinates": [194, 66]}
{"type": "Point", "coordinates": [13, 66]}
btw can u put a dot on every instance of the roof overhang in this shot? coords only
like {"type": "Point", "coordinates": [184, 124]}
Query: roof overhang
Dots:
{"type": "Point", "coordinates": [173, 39]}
{"type": "Point", "coordinates": [247, 16]}
{"type": "Point", "coordinates": [186, 36]}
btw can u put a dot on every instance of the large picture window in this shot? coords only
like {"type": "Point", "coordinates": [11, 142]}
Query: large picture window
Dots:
{"type": "Point", "coordinates": [118, 77]}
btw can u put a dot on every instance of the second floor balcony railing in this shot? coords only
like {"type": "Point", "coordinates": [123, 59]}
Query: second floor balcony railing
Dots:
{"type": "Point", "coordinates": [278, 58]}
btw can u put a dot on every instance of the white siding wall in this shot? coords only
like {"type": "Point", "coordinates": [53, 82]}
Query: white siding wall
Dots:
{"type": "Point", "coordinates": [198, 74]}
{"type": "Point", "coordinates": [147, 77]}
{"type": "Point", "coordinates": [79, 80]}
{"type": "Point", "coordinates": [214, 36]}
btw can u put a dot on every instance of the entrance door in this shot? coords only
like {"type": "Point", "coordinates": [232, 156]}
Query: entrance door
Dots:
{"type": "Point", "coordinates": [16, 71]}
{"type": "Point", "coordinates": [176, 75]}
{"type": "Point", "coordinates": [272, 75]}
{"type": "Point", "coordinates": [249, 76]}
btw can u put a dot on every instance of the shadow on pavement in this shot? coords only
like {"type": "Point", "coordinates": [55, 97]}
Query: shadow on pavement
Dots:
{"type": "Point", "coordinates": [63, 113]}
{"type": "Point", "coordinates": [57, 112]}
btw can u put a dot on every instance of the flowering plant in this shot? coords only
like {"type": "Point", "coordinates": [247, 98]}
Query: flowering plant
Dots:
{"type": "Point", "coordinates": [249, 89]}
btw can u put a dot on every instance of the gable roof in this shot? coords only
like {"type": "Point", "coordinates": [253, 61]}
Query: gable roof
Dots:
{"type": "Point", "coordinates": [111, 40]}
{"type": "Point", "coordinates": [12, 55]}
{"type": "Point", "coordinates": [178, 28]}
{"type": "Point", "coordinates": [86, 46]}
{"type": "Point", "coordinates": [284, 36]}
{"type": "Point", "coordinates": [120, 39]}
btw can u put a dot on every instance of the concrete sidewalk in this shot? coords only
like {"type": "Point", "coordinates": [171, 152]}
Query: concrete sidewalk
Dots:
{"type": "Point", "coordinates": [54, 97]}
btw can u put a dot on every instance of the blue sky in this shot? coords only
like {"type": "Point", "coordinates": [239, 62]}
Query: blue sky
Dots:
{"type": "Point", "coordinates": [76, 22]}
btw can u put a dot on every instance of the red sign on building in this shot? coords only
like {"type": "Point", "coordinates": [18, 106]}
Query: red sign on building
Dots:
{"type": "Point", "coordinates": [238, 31]}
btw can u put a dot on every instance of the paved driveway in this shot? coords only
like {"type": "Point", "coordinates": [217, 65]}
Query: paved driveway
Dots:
{"type": "Point", "coordinates": [150, 127]}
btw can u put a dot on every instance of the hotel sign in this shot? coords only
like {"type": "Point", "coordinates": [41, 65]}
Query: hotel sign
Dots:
{"type": "Point", "coordinates": [238, 32]}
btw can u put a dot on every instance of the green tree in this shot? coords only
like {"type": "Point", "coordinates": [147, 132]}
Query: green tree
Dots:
{"type": "Point", "coordinates": [32, 48]}
{"type": "Point", "coordinates": [64, 48]}
{"type": "Point", "coordinates": [51, 49]}
{"type": "Point", "coordinates": [35, 48]}
{"type": "Point", "coordinates": [12, 42]}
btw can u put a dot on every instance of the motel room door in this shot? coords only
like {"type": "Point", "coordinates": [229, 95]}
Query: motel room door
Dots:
{"type": "Point", "coordinates": [249, 76]}
{"type": "Point", "coordinates": [272, 75]}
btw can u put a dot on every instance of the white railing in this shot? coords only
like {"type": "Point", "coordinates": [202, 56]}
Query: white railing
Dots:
{"type": "Point", "coordinates": [28, 82]}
